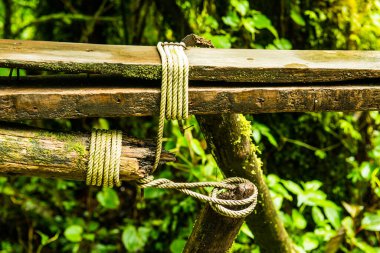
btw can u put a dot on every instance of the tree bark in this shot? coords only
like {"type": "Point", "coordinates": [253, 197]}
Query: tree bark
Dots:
{"type": "Point", "coordinates": [229, 139]}
{"type": "Point", "coordinates": [34, 152]}
{"type": "Point", "coordinates": [214, 232]}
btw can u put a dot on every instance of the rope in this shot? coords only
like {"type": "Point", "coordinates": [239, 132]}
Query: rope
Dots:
{"type": "Point", "coordinates": [219, 205]}
{"type": "Point", "coordinates": [105, 146]}
{"type": "Point", "coordinates": [174, 88]}
{"type": "Point", "coordinates": [104, 160]}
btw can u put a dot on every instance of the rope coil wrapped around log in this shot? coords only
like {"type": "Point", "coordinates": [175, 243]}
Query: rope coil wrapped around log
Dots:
{"type": "Point", "coordinates": [104, 161]}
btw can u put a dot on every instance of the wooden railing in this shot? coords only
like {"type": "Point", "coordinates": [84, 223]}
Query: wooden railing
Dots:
{"type": "Point", "coordinates": [124, 80]}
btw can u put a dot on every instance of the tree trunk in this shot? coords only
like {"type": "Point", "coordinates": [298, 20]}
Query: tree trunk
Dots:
{"type": "Point", "coordinates": [33, 152]}
{"type": "Point", "coordinates": [229, 139]}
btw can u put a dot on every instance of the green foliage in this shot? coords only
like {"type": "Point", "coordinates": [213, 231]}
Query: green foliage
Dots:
{"type": "Point", "coordinates": [322, 168]}
{"type": "Point", "coordinates": [108, 198]}
{"type": "Point", "coordinates": [134, 239]}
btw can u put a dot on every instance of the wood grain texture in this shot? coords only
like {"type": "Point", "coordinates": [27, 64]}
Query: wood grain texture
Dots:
{"type": "Point", "coordinates": [206, 64]}
{"type": "Point", "coordinates": [34, 152]}
{"type": "Point", "coordinates": [28, 99]}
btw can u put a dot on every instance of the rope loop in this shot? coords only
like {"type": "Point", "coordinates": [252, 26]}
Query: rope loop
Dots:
{"type": "Point", "coordinates": [174, 88]}
{"type": "Point", "coordinates": [219, 205]}
{"type": "Point", "coordinates": [103, 167]}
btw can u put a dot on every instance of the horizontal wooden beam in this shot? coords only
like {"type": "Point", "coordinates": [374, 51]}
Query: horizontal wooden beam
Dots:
{"type": "Point", "coordinates": [206, 64]}
{"type": "Point", "coordinates": [28, 151]}
{"type": "Point", "coordinates": [70, 99]}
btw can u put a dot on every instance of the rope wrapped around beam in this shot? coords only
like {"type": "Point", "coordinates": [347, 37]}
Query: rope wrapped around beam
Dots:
{"type": "Point", "coordinates": [174, 88]}
{"type": "Point", "coordinates": [104, 160]}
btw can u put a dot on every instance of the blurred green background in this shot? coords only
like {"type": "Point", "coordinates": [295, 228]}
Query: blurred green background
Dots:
{"type": "Point", "coordinates": [322, 168]}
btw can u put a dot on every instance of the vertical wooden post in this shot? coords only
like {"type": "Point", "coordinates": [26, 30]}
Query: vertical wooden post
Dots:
{"type": "Point", "coordinates": [214, 232]}
{"type": "Point", "coordinates": [229, 140]}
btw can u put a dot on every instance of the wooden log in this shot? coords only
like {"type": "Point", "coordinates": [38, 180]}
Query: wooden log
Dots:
{"type": "Point", "coordinates": [35, 152]}
{"type": "Point", "coordinates": [213, 232]}
{"type": "Point", "coordinates": [38, 98]}
{"type": "Point", "coordinates": [206, 64]}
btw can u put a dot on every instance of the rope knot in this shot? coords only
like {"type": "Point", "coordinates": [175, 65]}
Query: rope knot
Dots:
{"type": "Point", "coordinates": [230, 188]}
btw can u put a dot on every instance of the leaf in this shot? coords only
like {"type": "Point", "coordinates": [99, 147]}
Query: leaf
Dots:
{"type": "Point", "coordinates": [317, 215]}
{"type": "Point", "coordinates": [310, 241]}
{"type": "Point", "coordinates": [296, 17]}
{"type": "Point", "coordinates": [292, 187]}
{"type": "Point", "coordinates": [334, 243]}
{"type": "Point", "coordinates": [282, 44]}
{"type": "Point", "coordinates": [108, 198]}
{"type": "Point", "coordinates": [371, 221]}
{"type": "Point", "coordinates": [245, 230]}
{"type": "Point", "coordinates": [272, 179]}
{"type": "Point", "coordinates": [232, 19]}
{"type": "Point", "coordinates": [320, 154]}
{"type": "Point", "coordinates": [365, 170]}
{"type": "Point", "coordinates": [92, 226]}
{"type": "Point", "coordinates": [312, 185]}
{"type": "Point", "coordinates": [221, 41]}
{"type": "Point", "coordinates": [249, 25]}
{"type": "Point", "coordinates": [261, 21]}
{"type": "Point", "coordinates": [278, 188]}
{"type": "Point", "coordinates": [353, 210]}
{"type": "Point", "coordinates": [133, 239]}
{"type": "Point", "coordinates": [197, 147]}
{"type": "Point", "coordinates": [177, 245]}
{"type": "Point", "coordinates": [256, 135]}
{"type": "Point", "coordinates": [333, 216]}
{"type": "Point", "coordinates": [365, 247]}
{"type": "Point", "coordinates": [298, 219]}
{"type": "Point", "coordinates": [44, 238]}
{"type": "Point", "coordinates": [89, 236]}
{"type": "Point", "coordinates": [103, 123]}
{"type": "Point", "coordinates": [277, 201]}
{"type": "Point", "coordinates": [241, 6]}
{"type": "Point", "coordinates": [73, 233]}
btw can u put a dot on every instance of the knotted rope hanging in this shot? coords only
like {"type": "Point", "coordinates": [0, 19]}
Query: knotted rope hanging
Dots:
{"type": "Point", "coordinates": [104, 160]}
